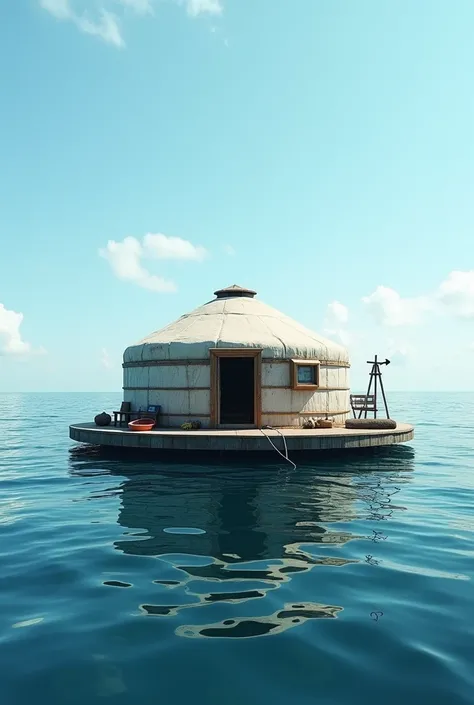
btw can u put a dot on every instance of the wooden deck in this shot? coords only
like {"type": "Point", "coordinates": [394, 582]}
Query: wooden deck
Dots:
{"type": "Point", "coordinates": [297, 439]}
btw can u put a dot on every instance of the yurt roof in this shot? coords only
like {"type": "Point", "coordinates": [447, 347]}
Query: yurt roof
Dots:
{"type": "Point", "coordinates": [234, 319]}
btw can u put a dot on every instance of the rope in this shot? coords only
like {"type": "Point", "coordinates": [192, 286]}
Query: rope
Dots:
{"type": "Point", "coordinates": [285, 456]}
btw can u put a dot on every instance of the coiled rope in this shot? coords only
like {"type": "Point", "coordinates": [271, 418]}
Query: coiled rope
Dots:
{"type": "Point", "coordinates": [284, 456]}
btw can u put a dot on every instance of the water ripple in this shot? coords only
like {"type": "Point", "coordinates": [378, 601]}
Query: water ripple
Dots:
{"type": "Point", "coordinates": [347, 581]}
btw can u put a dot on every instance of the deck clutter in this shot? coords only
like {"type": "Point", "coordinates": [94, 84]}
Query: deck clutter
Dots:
{"type": "Point", "coordinates": [125, 415]}
{"type": "Point", "coordinates": [232, 370]}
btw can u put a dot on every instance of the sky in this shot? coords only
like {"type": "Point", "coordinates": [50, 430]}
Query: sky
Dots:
{"type": "Point", "coordinates": [320, 152]}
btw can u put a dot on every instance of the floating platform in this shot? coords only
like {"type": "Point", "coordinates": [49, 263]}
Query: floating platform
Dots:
{"type": "Point", "coordinates": [248, 440]}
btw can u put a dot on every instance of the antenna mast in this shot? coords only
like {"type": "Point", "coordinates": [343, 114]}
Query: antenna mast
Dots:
{"type": "Point", "coordinates": [375, 378]}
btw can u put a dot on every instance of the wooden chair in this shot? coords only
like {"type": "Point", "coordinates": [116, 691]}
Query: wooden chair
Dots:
{"type": "Point", "coordinates": [124, 414]}
{"type": "Point", "coordinates": [362, 403]}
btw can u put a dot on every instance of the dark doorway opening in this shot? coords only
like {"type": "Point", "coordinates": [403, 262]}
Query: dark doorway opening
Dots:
{"type": "Point", "coordinates": [237, 390]}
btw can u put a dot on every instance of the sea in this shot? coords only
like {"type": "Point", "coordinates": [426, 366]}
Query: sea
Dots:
{"type": "Point", "coordinates": [345, 581]}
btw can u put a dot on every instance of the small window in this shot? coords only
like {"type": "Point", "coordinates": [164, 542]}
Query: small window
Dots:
{"type": "Point", "coordinates": [305, 374]}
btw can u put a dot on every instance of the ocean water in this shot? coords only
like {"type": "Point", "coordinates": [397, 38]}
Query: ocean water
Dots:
{"type": "Point", "coordinates": [346, 581]}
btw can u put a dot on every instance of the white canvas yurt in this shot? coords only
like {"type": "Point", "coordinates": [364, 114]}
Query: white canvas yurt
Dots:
{"type": "Point", "coordinates": [236, 362]}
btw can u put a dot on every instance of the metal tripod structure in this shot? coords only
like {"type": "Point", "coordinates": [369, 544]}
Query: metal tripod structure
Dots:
{"type": "Point", "coordinates": [375, 378]}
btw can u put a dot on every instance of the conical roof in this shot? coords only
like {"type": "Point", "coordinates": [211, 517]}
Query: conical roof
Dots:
{"type": "Point", "coordinates": [234, 319]}
{"type": "Point", "coordinates": [234, 290]}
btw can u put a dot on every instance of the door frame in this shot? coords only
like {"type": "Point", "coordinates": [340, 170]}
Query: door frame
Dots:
{"type": "Point", "coordinates": [215, 354]}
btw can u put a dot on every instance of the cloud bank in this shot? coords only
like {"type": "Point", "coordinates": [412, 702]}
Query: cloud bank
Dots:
{"type": "Point", "coordinates": [453, 297]}
{"type": "Point", "coordinates": [99, 18]}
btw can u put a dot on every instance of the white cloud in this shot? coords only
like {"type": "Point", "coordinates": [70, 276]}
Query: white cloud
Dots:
{"type": "Point", "coordinates": [168, 247]}
{"type": "Point", "coordinates": [11, 342]}
{"type": "Point", "coordinates": [140, 7]}
{"type": "Point", "coordinates": [337, 316]}
{"type": "Point", "coordinates": [199, 7]}
{"type": "Point", "coordinates": [105, 359]}
{"type": "Point", "coordinates": [398, 352]}
{"type": "Point", "coordinates": [412, 350]}
{"type": "Point", "coordinates": [229, 250]}
{"type": "Point", "coordinates": [105, 26]}
{"type": "Point", "coordinates": [125, 258]}
{"type": "Point", "coordinates": [337, 312]}
{"type": "Point", "coordinates": [456, 294]}
{"type": "Point", "coordinates": [97, 17]}
{"type": "Point", "coordinates": [390, 309]}
{"type": "Point", "coordinates": [59, 8]}
{"type": "Point", "coordinates": [339, 335]}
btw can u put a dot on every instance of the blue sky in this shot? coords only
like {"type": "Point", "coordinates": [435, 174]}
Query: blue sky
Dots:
{"type": "Point", "coordinates": [319, 151]}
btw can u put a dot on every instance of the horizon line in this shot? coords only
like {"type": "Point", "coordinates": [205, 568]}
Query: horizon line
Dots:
{"type": "Point", "coordinates": [389, 391]}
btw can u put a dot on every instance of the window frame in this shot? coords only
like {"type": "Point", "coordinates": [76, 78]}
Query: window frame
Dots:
{"type": "Point", "coordinates": [298, 386]}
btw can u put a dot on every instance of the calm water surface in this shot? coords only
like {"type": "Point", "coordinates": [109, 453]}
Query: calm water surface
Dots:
{"type": "Point", "coordinates": [346, 581]}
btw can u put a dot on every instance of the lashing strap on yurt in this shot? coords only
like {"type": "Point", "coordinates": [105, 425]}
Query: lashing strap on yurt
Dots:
{"type": "Point", "coordinates": [285, 456]}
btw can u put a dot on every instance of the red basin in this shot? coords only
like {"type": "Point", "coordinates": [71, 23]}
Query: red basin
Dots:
{"type": "Point", "coordinates": [141, 425]}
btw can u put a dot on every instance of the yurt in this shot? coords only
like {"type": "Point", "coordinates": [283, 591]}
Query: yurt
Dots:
{"type": "Point", "coordinates": [235, 362]}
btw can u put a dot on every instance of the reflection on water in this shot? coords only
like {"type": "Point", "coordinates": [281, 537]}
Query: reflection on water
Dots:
{"type": "Point", "coordinates": [290, 616]}
{"type": "Point", "coordinates": [231, 535]}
